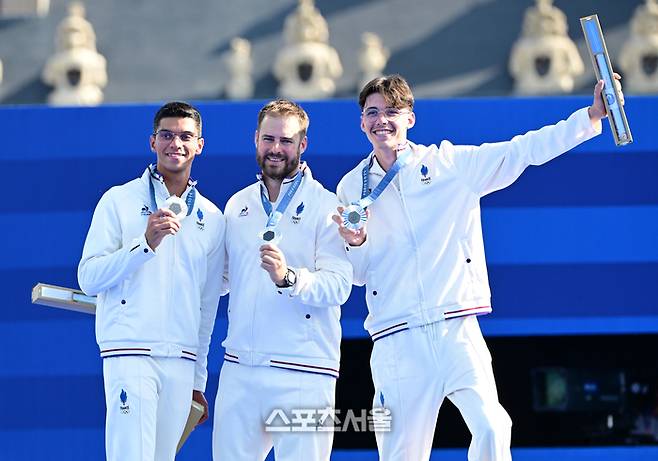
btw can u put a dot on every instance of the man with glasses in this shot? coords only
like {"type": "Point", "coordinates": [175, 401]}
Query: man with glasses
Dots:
{"type": "Point", "coordinates": [287, 276]}
{"type": "Point", "coordinates": [422, 261]}
{"type": "Point", "coordinates": [154, 256]}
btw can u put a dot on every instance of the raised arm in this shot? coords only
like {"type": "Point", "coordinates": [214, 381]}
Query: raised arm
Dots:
{"type": "Point", "coordinates": [493, 166]}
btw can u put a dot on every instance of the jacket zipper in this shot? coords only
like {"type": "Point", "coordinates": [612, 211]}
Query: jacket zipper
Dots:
{"type": "Point", "coordinates": [419, 286]}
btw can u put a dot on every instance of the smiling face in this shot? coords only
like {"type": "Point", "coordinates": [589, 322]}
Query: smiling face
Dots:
{"type": "Point", "coordinates": [176, 143]}
{"type": "Point", "coordinates": [280, 143]}
{"type": "Point", "coordinates": [384, 132]}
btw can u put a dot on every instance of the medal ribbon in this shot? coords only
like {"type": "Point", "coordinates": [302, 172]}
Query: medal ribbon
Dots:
{"type": "Point", "coordinates": [273, 217]}
{"type": "Point", "coordinates": [367, 200]}
{"type": "Point", "coordinates": [189, 199]}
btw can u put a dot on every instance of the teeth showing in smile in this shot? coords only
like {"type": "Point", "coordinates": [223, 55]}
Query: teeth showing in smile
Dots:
{"type": "Point", "coordinates": [382, 131]}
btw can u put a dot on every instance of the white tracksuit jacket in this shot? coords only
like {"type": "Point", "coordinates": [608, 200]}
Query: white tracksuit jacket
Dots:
{"type": "Point", "coordinates": [423, 259]}
{"type": "Point", "coordinates": [158, 303]}
{"type": "Point", "coordinates": [296, 328]}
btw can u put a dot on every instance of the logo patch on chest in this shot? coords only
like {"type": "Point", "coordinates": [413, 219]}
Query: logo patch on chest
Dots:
{"type": "Point", "coordinates": [424, 175]}
{"type": "Point", "coordinates": [200, 224]}
{"type": "Point", "coordinates": [297, 217]}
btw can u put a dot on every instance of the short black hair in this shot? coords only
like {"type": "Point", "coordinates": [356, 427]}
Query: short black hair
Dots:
{"type": "Point", "coordinates": [177, 109]}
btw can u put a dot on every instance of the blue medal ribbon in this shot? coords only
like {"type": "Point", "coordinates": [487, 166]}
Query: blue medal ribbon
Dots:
{"type": "Point", "coordinates": [189, 199]}
{"type": "Point", "coordinates": [367, 200]}
{"type": "Point", "coordinates": [273, 217]}
{"type": "Point", "coordinates": [354, 216]}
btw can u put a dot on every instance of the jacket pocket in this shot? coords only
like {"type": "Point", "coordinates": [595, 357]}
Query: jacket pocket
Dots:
{"type": "Point", "coordinates": [122, 300]}
{"type": "Point", "coordinates": [470, 263]}
{"type": "Point", "coordinates": [109, 307]}
{"type": "Point", "coordinates": [467, 253]}
{"type": "Point", "coordinates": [297, 321]}
{"type": "Point", "coordinates": [373, 292]}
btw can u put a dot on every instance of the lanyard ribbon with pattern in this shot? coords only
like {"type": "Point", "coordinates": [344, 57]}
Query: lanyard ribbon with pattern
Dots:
{"type": "Point", "coordinates": [273, 217]}
{"type": "Point", "coordinates": [368, 199]}
{"type": "Point", "coordinates": [189, 199]}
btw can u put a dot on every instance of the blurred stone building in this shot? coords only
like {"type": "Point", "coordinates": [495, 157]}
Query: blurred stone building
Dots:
{"type": "Point", "coordinates": [167, 49]}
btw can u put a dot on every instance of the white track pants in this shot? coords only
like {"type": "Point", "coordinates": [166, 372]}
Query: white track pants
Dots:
{"type": "Point", "coordinates": [148, 400]}
{"type": "Point", "coordinates": [246, 398]}
{"type": "Point", "coordinates": [414, 370]}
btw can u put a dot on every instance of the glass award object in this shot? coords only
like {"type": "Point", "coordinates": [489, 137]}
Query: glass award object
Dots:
{"type": "Point", "coordinates": [603, 69]}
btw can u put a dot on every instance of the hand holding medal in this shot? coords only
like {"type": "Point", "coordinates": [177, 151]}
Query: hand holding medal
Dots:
{"type": "Point", "coordinates": [354, 216]}
{"type": "Point", "coordinates": [273, 261]}
{"type": "Point", "coordinates": [353, 236]}
{"type": "Point", "coordinates": [160, 224]}
{"type": "Point", "coordinates": [166, 220]}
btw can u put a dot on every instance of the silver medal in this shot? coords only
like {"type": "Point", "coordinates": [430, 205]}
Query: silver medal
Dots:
{"type": "Point", "coordinates": [354, 217]}
{"type": "Point", "coordinates": [177, 206]}
{"type": "Point", "coordinates": [270, 235]}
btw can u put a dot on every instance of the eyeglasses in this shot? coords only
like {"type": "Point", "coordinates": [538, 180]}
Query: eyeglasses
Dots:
{"type": "Point", "coordinates": [168, 136]}
{"type": "Point", "coordinates": [390, 113]}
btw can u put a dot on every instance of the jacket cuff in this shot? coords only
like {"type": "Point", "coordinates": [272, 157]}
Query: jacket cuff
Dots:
{"type": "Point", "coordinates": [140, 249]}
{"type": "Point", "coordinates": [301, 275]}
{"type": "Point", "coordinates": [586, 123]}
{"type": "Point", "coordinates": [356, 253]}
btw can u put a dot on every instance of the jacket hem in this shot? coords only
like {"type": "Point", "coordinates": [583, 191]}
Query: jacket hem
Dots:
{"type": "Point", "coordinates": [108, 350]}
{"type": "Point", "coordinates": [294, 363]}
{"type": "Point", "coordinates": [428, 316]}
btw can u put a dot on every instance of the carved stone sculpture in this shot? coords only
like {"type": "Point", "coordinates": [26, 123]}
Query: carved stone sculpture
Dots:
{"type": "Point", "coordinates": [544, 60]}
{"type": "Point", "coordinates": [307, 66]}
{"type": "Point", "coordinates": [372, 58]}
{"type": "Point", "coordinates": [639, 55]}
{"type": "Point", "coordinates": [76, 70]}
{"type": "Point", "coordinates": [240, 84]}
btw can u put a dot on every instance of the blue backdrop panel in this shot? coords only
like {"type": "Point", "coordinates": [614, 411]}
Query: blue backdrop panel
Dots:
{"type": "Point", "coordinates": [119, 131]}
{"type": "Point", "coordinates": [577, 179]}
{"type": "Point", "coordinates": [572, 246]}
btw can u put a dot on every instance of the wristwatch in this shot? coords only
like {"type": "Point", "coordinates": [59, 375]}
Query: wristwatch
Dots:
{"type": "Point", "coordinates": [289, 279]}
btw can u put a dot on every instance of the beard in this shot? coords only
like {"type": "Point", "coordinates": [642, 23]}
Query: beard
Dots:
{"type": "Point", "coordinates": [280, 171]}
